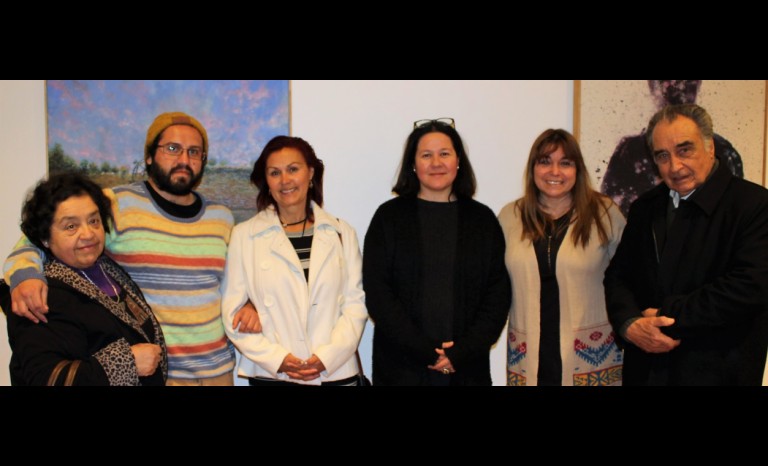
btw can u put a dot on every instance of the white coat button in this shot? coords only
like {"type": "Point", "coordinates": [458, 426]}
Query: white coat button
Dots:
{"type": "Point", "coordinates": [269, 301]}
{"type": "Point", "coordinates": [265, 265]}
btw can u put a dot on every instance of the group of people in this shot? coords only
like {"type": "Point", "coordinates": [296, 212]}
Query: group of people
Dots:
{"type": "Point", "coordinates": [151, 283]}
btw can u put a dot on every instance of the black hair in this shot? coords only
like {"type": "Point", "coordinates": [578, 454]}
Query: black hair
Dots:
{"type": "Point", "coordinates": [39, 209]}
{"type": "Point", "coordinates": [465, 184]}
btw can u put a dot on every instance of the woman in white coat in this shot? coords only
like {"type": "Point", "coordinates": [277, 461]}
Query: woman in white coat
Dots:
{"type": "Point", "coordinates": [301, 268]}
{"type": "Point", "coordinates": [560, 237]}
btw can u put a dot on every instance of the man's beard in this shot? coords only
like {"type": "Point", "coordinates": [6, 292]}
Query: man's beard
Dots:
{"type": "Point", "coordinates": [164, 181]}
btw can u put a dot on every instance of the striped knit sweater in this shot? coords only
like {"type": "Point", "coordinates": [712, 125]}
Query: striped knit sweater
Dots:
{"type": "Point", "coordinates": [178, 264]}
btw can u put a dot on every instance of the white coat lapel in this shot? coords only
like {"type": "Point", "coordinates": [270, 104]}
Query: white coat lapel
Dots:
{"type": "Point", "coordinates": [322, 248]}
{"type": "Point", "coordinates": [282, 248]}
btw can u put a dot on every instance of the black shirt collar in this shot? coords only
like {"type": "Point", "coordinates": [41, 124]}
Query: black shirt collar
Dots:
{"type": "Point", "coordinates": [173, 209]}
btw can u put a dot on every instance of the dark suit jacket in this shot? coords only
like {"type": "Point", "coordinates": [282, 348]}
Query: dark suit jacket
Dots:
{"type": "Point", "coordinates": [83, 324]}
{"type": "Point", "coordinates": [391, 278]}
{"type": "Point", "coordinates": [709, 271]}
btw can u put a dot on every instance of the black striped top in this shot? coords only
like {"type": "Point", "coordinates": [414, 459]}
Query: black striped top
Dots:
{"type": "Point", "coordinates": [302, 243]}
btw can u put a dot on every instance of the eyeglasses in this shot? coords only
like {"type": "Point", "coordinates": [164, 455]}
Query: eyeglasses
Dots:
{"type": "Point", "coordinates": [438, 121]}
{"type": "Point", "coordinates": [173, 149]}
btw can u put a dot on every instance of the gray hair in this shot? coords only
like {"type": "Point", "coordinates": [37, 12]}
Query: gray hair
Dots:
{"type": "Point", "coordinates": [671, 112]}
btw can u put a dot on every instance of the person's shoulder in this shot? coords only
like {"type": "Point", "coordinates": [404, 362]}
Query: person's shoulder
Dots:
{"type": "Point", "coordinates": [216, 209]}
{"type": "Point", "coordinates": [608, 205]}
{"type": "Point", "coordinates": [250, 224]}
{"type": "Point", "coordinates": [399, 201]}
{"type": "Point", "coordinates": [65, 301]}
{"type": "Point", "coordinates": [749, 187]}
{"type": "Point", "coordinates": [341, 225]}
{"type": "Point", "coordinates": [211, 203]}
{"type": "Point", "coordinates": [641, 206]}
{"type": "Point", "coordinates": [747, 197]}
{"type": "Point", "coordinates": [510, 209]}
{"type": "Point", "coordinates": [611, 216]}
{"type": "Point", "coordinates": [396, 204]}
{"type": "Point", "coordinates": [658, 191]}
{"type": "Point", "coordinates": [476, 207]}
{"type": "Point", "coordinates": [133, 195]}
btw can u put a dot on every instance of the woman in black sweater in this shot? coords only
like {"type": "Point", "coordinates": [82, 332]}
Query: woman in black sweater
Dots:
{"type": "Point", "coordinates": [433, 269]}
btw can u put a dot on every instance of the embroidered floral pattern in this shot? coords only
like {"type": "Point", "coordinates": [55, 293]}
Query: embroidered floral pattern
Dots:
{"type": "Point", "coordinates": [516, 380]}
{"type": "Point", "coordinates": [609, 376]}
{"type": "Point", "coordinates": [516, 353]}
{"type": "Point", "coordinates": [596, 354]}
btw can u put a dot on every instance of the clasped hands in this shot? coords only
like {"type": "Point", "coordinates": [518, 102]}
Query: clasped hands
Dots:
{"type": "Point", "coordinates": [305, 370]}
{"type": "Point", "coordinates": [443, 364]}
{"type": "Point", "coordinates": [300, 369]}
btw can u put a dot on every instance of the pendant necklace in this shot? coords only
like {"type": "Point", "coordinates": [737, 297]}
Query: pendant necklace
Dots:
{"type": "Point", "coordinates": [117, 295]}
{"type": "Point", "coordinates": [303, 228]}
{"type": "Point", "coordinates": [294, 223]}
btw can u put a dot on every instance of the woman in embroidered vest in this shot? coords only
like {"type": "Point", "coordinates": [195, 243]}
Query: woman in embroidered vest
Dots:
{"type": "Point", "coordinates": [301, 267]}
{"type": "Point", "coordinates": [435, 281]}
{"type": "Point", "coordinates": [100, 330]}
{"type": "Point", "coordinates": [560, 237]}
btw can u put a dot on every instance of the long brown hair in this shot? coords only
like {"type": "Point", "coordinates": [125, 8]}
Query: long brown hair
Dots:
{"type": "Point", "coordinates": [589, 206]}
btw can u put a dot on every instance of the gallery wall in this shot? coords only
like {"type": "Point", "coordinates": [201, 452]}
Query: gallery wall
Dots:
{"type": "Point", "coordinates": [357, 127]}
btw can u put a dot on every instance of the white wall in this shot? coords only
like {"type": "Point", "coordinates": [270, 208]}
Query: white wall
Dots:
{"type": "Point", "coordinates": [22, 163]}
{"type": "Point", "coordinates": [357, 127]}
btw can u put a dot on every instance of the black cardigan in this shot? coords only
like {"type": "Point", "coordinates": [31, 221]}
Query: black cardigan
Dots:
{"type": "Point", "coordinates": [709, 272]}
{"type": "Point", "coordinates": [392, 282]}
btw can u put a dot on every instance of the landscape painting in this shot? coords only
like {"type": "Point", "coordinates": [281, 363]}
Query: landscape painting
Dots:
{"type": "Point", "coordinates": [99, 128]}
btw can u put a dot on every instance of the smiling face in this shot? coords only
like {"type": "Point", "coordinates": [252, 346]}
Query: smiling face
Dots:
{"type": "Point", "coordinates": [77, 234]}
{"type": "Point", "coordinates": [681, 153]}
{"type": "Point", "coordinates": [288, 177]}
{"type": "Point", "coordinates": [436, 166]}
{"type": "Point", "coordinates": [555, 175]}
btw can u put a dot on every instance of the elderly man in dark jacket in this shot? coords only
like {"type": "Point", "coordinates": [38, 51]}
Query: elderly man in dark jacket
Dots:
{"type": "Point", "coordinates": [687, 290]}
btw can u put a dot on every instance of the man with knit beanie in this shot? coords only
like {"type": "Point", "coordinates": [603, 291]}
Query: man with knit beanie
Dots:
{"type": "Point", "coordinates": [173, 243]}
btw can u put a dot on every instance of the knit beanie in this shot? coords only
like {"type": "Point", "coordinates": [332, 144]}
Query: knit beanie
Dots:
{"type": "Point", "coordinates": [165, 120]}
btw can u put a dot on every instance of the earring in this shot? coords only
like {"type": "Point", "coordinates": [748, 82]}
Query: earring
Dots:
{"type": "Point", "coordinates": [45, 243]}
{"type": "Point", "coordinates": [311, 183]}
{"type": "Point", "coordinates": [457, 167]}
{"type": "Point", "coordinates": [414, 169]}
